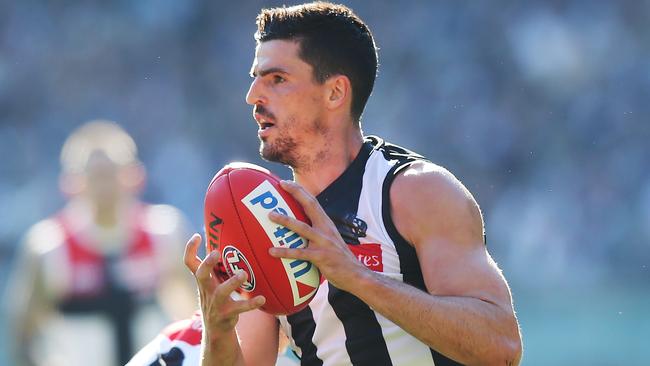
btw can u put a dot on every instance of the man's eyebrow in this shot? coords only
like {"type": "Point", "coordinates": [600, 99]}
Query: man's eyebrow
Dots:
{"type": "Point", "coordinates": [262, 73]}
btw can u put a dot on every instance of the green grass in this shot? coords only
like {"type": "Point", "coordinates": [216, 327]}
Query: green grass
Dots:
{"type": "Point", "coordinates": [600, 326]}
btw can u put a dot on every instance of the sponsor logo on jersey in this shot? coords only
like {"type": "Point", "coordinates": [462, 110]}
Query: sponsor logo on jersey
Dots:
{"type": "Point", "coordinates": [304, 277]}
{"type": "Point", "coordinates": [235, 261]}
{"type": "Point", "coordinates": [369, 254]}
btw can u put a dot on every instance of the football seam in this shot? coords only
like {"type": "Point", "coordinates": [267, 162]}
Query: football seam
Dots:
{"type": "Point", "coordinates": [232, 197]}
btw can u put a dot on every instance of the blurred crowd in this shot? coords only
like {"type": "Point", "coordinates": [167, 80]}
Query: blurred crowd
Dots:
{"type": "Point", "coordinates": [542, 108]}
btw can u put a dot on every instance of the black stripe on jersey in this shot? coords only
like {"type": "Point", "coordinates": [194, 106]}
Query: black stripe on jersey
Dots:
{"type": "Point", "coordinates": [364, 339]}
{"type": "Point", "coordinates": [302, 332]}
{"type": "Point", "coordinates": [441, 360]}
{"type": "Point", "coordinates": [115, 303]}
{"type": "Point", "coordinates": [340, 200]}
{"type": "Point", "coordinates": [408, 259]}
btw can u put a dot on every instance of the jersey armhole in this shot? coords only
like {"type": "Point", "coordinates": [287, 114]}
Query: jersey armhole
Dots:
{"type": "Point", "coordinates": [394, 234]}
{"type": "Point", "coordinates": [408, 259]}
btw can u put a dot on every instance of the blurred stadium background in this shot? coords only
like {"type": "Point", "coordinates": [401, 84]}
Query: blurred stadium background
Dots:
{"type": "Point", "coordinates": [542, 108]}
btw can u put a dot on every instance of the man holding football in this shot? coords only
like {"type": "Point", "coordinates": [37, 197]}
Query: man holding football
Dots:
{"type": "Point", "coordinates": [435, 297]}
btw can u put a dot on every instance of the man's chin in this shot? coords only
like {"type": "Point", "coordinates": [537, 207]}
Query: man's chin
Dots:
{"type": "Point", "coordinates": [273, 155]}
{"type": "Point", "coordinates": [278, 150]}
{"type": "Point", "coordinates": [267, 153]}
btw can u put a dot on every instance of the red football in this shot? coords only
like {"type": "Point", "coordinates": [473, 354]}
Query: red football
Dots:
{"type": "Point", "coordinates": [237, 205]}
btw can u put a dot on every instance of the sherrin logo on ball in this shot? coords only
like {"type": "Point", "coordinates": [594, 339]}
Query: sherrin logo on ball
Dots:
{"type": "Point", "coordinates": [237, 204]}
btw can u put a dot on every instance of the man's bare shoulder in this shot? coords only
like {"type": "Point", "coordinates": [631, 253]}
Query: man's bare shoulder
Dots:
{"type": "Point", "coordinates": [43, 237]}
{"type": "Point", "coordinates": [428, 201]}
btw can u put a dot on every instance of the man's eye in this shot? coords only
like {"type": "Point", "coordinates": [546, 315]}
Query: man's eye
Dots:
{"type": "Point", "coordinates": [278, 79]}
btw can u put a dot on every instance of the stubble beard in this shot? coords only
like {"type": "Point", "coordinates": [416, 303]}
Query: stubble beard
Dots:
{"type": "Point", "coordinates": [284, 148]}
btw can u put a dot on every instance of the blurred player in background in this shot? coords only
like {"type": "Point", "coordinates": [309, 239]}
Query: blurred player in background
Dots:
{"type": "Point", "coordinates": [179, 344]}
{"type": "Point", "coordinates": [102, 276]}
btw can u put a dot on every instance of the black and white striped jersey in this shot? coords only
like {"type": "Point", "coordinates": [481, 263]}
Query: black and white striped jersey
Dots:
{"type": "Point", "coordinates": [337, 328]}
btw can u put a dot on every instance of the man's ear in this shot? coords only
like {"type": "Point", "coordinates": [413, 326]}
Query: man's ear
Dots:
{"type": "Point", "coordinates": [339, 91]}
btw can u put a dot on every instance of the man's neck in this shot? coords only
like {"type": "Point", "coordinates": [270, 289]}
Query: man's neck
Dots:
{"type": "Point", "coordinates": [341, 154]}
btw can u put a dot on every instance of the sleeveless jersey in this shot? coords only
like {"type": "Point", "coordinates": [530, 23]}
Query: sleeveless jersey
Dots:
{"type": "Point", "coordinates": [337, 328]}
{"type": "Point", "coordinates": [113, 286]}
{"type": "Point", "coordinates": [104, 301]}
{"type": "Point", "coordinates": [133, 269]}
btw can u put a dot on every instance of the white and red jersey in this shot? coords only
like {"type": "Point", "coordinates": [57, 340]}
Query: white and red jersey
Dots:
{"type": "Point", "coordinates": [179, 344]}
{"type": "Point", "coordinates": [133, 265]}
{"type": "Point", "coordinates": [100, 284]}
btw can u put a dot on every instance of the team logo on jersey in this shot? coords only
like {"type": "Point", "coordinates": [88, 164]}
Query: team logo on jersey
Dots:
{"type": "Point", "coordinates": [304, 277]}
{"type": "Point", "coordinates": [350, 226]}
{"type": "Point", "coordinates": [235, 261]}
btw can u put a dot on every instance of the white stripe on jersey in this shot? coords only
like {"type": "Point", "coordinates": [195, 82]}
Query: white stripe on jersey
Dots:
{"type": "Point", "coordinates": [329, 336]}
{"type": "Point", "coordinates": [370, 210]}
{"type": "Point", "coordinates": [286, 328]}
{"type": "Point", "coordinates": [403, 348]}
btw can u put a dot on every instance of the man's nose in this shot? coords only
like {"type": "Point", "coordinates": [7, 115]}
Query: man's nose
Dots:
{"type": "Point", "coordinates": [254, 95]}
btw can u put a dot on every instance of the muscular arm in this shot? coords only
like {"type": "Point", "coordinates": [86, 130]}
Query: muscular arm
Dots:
{"type": "Point", "coordinates": [467, 313]}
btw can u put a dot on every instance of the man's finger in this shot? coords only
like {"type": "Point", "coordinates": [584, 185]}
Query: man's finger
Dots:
{"type": "Point", "coordinates": [291, 253]}
{"type": "Point", "coordinates": [233, 283]}
{"type": "Point", "coordinates": [190, 258]}
{"type": "Point", "coordinates": [308, 202]}
{"type": "Point", "coordinates": [295, 225]}
{"type": "Point", "coordinates": [242, 306]}
{"type": "Point", "coordinates": [203, 273]}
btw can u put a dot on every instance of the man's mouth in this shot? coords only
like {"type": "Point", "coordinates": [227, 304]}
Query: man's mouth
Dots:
{"type": "Point", "coordinates": [263, 121]}
{"type": "Point", "coordinates": [265, 125]}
